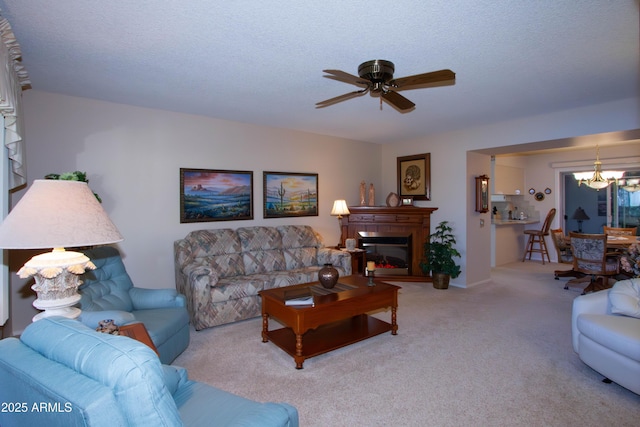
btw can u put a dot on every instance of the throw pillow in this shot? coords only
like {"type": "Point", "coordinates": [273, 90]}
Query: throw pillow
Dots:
{"type": "Point", "coordinates": [624, 297]}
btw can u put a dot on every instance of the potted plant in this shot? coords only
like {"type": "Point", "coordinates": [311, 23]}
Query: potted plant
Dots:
{"type": "Point", "coordinates": [438, 256]}
{"type": "Point", "coordinates": [72, 176]}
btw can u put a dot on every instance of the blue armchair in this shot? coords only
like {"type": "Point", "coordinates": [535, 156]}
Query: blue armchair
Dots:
{"type": "Point", "coordinates": [62, 373]}
{"type": "Point", "coordinates": [108, 293]}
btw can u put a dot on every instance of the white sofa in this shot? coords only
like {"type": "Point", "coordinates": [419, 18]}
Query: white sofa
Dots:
{"type": "Point", "coordinates": [606, 332]}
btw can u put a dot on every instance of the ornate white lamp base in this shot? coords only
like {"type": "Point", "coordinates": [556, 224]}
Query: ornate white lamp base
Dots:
{"type": "Point", "coordinates": [57, 308]}
{"type": "Point", "coordinates": [57, 280]}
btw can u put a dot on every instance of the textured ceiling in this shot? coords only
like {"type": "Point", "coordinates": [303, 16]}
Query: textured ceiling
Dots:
{"type": "Point", "coordinates": [261, 62]}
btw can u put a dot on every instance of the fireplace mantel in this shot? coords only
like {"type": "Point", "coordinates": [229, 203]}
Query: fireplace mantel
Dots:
{"type": "Point", "coordinates": [402, 219]}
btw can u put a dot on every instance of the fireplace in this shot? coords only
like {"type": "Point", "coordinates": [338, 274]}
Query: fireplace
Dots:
{"type": "Point", "coordinates": [399, 221]}
{"type": "Point", "coordinates": [390, 251]}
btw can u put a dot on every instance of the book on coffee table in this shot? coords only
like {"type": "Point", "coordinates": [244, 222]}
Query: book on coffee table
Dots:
{"type": "Point", "coordinates": [302, 296]}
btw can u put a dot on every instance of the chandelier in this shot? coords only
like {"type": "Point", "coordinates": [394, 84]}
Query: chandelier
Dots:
{"type": "Point", "coordinates": [599, 179]}
{"type": "Point", "coordinates": [630, 185]}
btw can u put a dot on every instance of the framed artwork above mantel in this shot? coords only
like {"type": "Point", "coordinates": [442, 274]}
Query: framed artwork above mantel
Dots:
{"type": "Point", "coordinates": [414, 177]}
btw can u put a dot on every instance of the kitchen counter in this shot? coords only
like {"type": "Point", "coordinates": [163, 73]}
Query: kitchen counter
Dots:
{"type": "Point", "coordinates": [509, 239]}
{"type": "Point", "coordinates": [514, 221]}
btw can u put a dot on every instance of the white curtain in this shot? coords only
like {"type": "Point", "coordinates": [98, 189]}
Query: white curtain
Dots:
{"type": "Point", "coordinates": [13, 79]}
{"type": "Point", "coordinates": [13, 173]}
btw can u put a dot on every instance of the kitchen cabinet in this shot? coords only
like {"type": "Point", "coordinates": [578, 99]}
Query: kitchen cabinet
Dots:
{"type": "Point", "coordinates": [508, 180]}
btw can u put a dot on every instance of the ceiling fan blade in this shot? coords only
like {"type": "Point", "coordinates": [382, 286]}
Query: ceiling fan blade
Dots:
{"type": "Point", "coordinates": [425, 78]}
{"type": "Point", "coordinates": [344, 77]}
{"type": "Point", "coordinates": [397, 100]}
{"type": "Point", "coordinates": [341, 98]}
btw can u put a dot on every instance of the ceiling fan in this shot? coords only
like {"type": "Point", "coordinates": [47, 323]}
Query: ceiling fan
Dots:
{"type": "Point", "coordinates": [376, 77]}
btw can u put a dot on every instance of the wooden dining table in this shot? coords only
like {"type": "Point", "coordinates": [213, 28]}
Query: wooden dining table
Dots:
{"type": "Point", "coordinates": [616, 242]}
{"type": "Point", "coordinates": [619, 242]}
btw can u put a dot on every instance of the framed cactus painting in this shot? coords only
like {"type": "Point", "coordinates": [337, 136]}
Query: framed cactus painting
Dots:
{"type": "Point", "coordinates": [215, 195]}
{"type": "Point", "coordinates": [288, 194]}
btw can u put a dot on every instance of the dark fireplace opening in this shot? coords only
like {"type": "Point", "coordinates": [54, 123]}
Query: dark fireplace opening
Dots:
{"type": "Point", "coordinates": [390, 251]}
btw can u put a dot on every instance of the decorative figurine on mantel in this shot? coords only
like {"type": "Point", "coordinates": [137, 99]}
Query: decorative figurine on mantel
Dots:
{"type": "Point", "coordinates": [372, 195]}
{"type": "Point", "coordinates": [362, 189]}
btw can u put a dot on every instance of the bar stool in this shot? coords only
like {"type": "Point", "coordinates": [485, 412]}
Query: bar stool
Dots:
{"type": "Point", "coordinates": [537, 236]}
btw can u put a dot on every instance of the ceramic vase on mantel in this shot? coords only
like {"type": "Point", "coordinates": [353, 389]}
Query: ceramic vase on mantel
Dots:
{"type": "Point", "coordinates": [328, 276]}
{"type": "Point", "coordinates": [372, 195]}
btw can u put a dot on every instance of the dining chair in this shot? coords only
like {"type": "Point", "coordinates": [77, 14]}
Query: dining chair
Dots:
{"type": "Point", "coordinates": [538, 236]}
{"type": "Point", "coordinates": [563, 248]}
{"type": "Point", "coordinates": [590, 257]}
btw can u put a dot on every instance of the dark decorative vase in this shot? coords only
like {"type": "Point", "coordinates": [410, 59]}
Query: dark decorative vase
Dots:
{"type": "Point", "coordinates": [328, 276]}
{"type": "Point", "coordinates": [440, 280]}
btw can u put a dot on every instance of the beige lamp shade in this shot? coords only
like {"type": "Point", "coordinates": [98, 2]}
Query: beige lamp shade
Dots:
{"type": "Point", "coordinates": [340, 208]}
{"type": "Point", "coordinates": [57, 214]}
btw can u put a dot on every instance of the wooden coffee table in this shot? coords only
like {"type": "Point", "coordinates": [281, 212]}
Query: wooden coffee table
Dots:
{"type": "Point", "coordinates": [338, 317]}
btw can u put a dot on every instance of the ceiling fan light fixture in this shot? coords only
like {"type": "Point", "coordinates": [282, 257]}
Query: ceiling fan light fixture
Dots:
{"type": "Point", "coordinates": [376, 77]}
{"type": "Point", "coordinates": [377, 70]}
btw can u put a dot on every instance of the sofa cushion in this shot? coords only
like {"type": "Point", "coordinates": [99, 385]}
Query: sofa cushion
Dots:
{"type": "Point", "coordinates": [300, 257]}
{"type": "Point", "coordinates": [298, 236]}
{"type": "Point", "coordinates": [624, 297]}
{"type": "Point", "coordinates": [259, 238]}
{"type": "Point", "coordinates": [171, 375]}
{"type": "Point", "coordinates": [262, 249]}
{"type": "Point", "coordinates": [256, 262]}
{"type": "Point", "coordinates": [128, 367]}
{"type": "Point", "coordinates": [155, 321]}
{"type": "Point", "coordinates": [230, 409]}
{"type": "Point", "coordinates": [227, 265]}
{"type": "Point", "coordinates": [300, 245]}
{"type": "Point", "coordinates": [618, 333]}
{"type": "Point", "coordinates": [213, 242]}
{"type": "Point", "coordinates": [232, 288]}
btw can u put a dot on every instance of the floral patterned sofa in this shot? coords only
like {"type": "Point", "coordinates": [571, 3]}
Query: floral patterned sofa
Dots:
{"type": "Point", "coordinates": [221, 271]}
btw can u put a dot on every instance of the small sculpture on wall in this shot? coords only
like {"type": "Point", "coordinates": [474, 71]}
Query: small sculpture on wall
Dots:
{"type": "Point", "coordinates": [362, 190]}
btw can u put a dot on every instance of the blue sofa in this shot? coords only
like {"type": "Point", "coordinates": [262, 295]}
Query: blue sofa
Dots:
{"type": "Point", "coordinates": [108, 293]}
{"type": "Point", "coordinates": [63, 373]}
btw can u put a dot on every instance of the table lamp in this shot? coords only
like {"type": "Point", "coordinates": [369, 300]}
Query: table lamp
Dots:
{"type": "Point", "coordinates": [580, 215]}
{"type": "Point", "coordinates": [340, 208]}
{"type": "Point", "coordinates": [57, 214]}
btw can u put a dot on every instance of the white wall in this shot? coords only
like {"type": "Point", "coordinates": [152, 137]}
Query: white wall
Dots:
{"type": "Point", "coordinates": [133, 156]}
{"type": "Point", "coordinates": [450, 182]}
{"type": "Point", "coordinates": [478, 225]}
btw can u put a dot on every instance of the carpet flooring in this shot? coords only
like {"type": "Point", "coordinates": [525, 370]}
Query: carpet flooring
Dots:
{"type": "Point", "coordinates": [497, 354]}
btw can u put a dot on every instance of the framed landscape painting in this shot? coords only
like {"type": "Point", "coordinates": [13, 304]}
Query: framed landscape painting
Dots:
{"type": "Point", "coordinates": [215, 195]}
{"type": "Point", "coordinates": [290, 194]}
{"type": "Point", "coordinates": [414, 176]}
